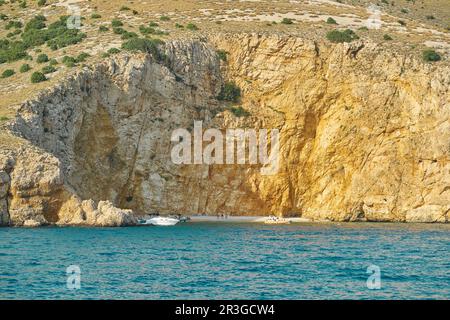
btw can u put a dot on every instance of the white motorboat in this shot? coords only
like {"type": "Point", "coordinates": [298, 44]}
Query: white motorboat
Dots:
{"type": "Point", "coordinates": [161, 221]}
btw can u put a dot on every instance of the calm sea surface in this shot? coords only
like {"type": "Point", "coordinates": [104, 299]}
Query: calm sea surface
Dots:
{"type": "Point", "coordinates": [227, 261]}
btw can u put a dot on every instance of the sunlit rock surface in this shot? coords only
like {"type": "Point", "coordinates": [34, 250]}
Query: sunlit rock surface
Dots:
{"type": "Point", "coordinates": [364, 136]}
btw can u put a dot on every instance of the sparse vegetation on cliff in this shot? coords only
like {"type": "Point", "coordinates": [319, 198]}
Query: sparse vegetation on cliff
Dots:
{"type": "Point", "coordinates": [431, 55]}
{"type": "Point", "coordinates": [37, 77]}
{"type": "Point", "coordinates": [330, 20]}
{"type": "Point", "coordinates": [56, 35]}
{"type": "Point", "coordinates": [12, 50]}
{"type": "Point", "coordinates": [192, 27]}
{"type": "Point", "coordinates": [113, 50]}
{"type": "Point", "coordinates": [222, 54]}
{"type": "Point", "coordinates": [230, 92]}
{"type": "Point", "coordinates": [48, 69]}
{"type": "Point", "coordinates": [239, 112]}
{"type": "Point", "coordinates": [145, 45]}
{"type": "Point", "coordinates": [24, 68]}
{"type": "Point", "coordinates": [8, 73]}
{"type": "Point", "coordinates": [69, 61]}
{"type": "Point", "coordinates": [116, 23]}
{"type": "Point", "coordinates": [42, 58]}
{"type": "Point", "coordinates": [287, 21]}
{"type": "Point", "coordinates": [337, 36]}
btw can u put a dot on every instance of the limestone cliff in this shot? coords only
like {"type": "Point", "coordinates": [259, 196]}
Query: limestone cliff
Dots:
{"type": "Point", "coordinates": [364, 135]}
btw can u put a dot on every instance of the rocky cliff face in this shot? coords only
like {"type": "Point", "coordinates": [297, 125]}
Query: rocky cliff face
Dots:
{"type": "Point", "coordinates": [364, 135]}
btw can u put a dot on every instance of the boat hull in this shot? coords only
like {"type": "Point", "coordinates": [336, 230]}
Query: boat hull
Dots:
{"type": "Point", "coordinates": [162, 221]}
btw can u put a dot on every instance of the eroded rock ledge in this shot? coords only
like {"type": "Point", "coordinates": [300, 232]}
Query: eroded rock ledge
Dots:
{"type": "Point", "coordinates": [365, 136]}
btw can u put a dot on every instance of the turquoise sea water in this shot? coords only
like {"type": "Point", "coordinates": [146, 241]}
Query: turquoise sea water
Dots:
{"type": "Point", "coordinates": [227, 261]}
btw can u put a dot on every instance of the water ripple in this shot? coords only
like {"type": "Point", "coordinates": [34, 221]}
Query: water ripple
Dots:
{"type": "Point", "coordinates": [227, 261]}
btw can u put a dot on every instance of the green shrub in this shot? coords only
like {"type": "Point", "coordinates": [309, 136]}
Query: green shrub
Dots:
{"type": "Point", "coordinates": [287, 21]}
{"type": "Point", "coordinates": [37, 22]}
{"type": "Point", "coordinates": [8, 73]}
{"type": "Point", "coordinates": [67, 58]}
{"type": "Point", "coordinates": [119, 30]}
{"type": "Point", "coordinates": [330, 20]}
{"type": "Point", "coordinates": [70, 64]}
{"type": "Point", "coordinates": [25, 68]}
{"type": "Point", "coordinates": [12, 50]}
{"type": "Point", "coordinates": [95, 16]}
{"type": "Point", "coordinates": [48, 69]}
{"type": "Point", "coordinates": [153, 24]}
{"type": "Point", "coordinates": [430, 55]}
{"type": "Point", "coordinates": [13, 24]}
{"type": "Point", "coordinates": [116, 23]}
{"type": "Point", "coordinates": [103, 28]}
{"type": "Point", "coordinates": [65, 38]}
{"type": "Point", "coordinates": [239, 112]}
{"type": "Point", "coordinates": [179, 26]}
{"type": "Point", "coordinates": [3, 118]}
{"type": "Point", "coordinates": [42, 58]}
{"type": "Point", "coordinates": [387, 37]}
{"type": "Point", "coordinates": [14, 33]}
{"type": "Point", "coordinates": [42, 3]}
{"type": "Point", "coordinates": [124, 8]}
{"type": "Point", "coordinates": [4, 44]}
{"type": "Point", "coordinates": [164, 18]}
{"type": "Point", "coordinates": [69, 61]}
{"type": "Point", "coordinates": [38, 77]}
{"type": "Point", "coordinates": [222, 54]}
{"type": "Point", "coordinates": [53, 62]}
{"type": "Point", "coordinates": [145, 45]}
{"type": "Point", "coordinates": [33, 37]}
{"type": "Point", "coordinates": [191, 26]}
{"type": "Point", "coordinates": [229, 92]}
{"type": "Point", "coordinates": [3, 16]}
{"type": "Point", "coordinates": [146, 30]}
{"type": "Point", "coordinates": [23, 4]}
{"type": "Point", "coordinates": [150, 30]}
{"type": "Point", "coordinates": [113, 50]}
{"type": "Point", "coordinates": [337, 36]}
{"type": "Point", "coordinates": [57, 35]}
{"type": "Point", "coordinates": [82, 57]}
{"type": "Point", "coordinates": [128, 35]}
